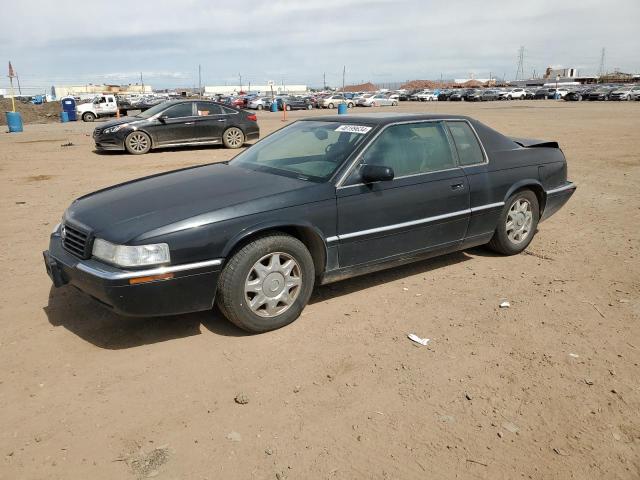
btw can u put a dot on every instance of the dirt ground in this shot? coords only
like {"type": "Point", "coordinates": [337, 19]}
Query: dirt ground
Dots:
{"type": "Point", "coordinates": [546, 389]}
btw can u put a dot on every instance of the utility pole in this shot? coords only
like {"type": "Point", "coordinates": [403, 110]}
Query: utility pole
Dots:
{"type": "Point", "coordinates": [240, 76]}
{"type": "Point", "coordinates": [199, 80]}
{"type": "Point", "coordinates": [344, 70]}
{"type": "Point", "coordinates": [324, 81]}
{"type": "Point", "coordinates": [141, 82]}
{"type": "Point", "coordinates": [18, 80]}
{"type": "Point", "coordinates": [520, 69]}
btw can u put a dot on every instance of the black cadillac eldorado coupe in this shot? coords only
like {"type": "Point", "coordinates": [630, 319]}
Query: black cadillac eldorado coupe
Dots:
{"type": "Point", "coordinates": [321, 200]}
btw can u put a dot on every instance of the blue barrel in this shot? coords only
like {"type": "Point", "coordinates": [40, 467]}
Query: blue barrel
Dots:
{"type": "Point", "coordinates": [14, 121]}
{"type": "Point", "coordinates": [342, 109]}
{"type": "Point", "coordinates": [64, 117]}
{"type": "Point", "coordinates": [274, 106]}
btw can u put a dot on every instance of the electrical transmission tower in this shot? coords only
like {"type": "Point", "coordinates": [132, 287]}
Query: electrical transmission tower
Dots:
{"type": "Point", "coordinates": [520, 70]}
{"type": "Point", "coordinates": [601, 70]}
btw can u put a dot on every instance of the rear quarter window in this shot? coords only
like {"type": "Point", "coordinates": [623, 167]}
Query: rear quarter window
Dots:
{"type": "Point", "coordinates": [467, 145]}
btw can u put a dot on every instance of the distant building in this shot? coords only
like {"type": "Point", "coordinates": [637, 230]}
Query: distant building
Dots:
{"type": "Point", "coordinates": [259, 89]}
{"type": "Point", "coordinates": [90, 90]}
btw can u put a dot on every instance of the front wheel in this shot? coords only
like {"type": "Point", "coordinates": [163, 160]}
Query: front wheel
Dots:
{"type": "Point", "coordinates": [267, 283]}
{"type": "Point", "coordinates": [137, 143]}
{"type": "Point", "coordinates": [331, 105]}
{"type": "Point", "coordinates": [89, 117]}
{"type": "Point", "coordinates": [233, 137]}
{"type": "Point", "coordinates": [309, 107]}
{"type": "Point", "coordinates": [288, 107]}
{"type": "Point", "coordinates": [517, 223]}
{"type": "Point", "coordinates": [260, 107]}
{"type": "Point", "coordinates": [393, 104]}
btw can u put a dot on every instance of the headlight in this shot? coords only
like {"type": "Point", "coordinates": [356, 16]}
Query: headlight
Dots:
{"type": "Point", "coordinates": [115, 129]}
{"type": "Point", "coordinates": [55, 229]}
{"type": "Point", "coordinates": [131, 256]}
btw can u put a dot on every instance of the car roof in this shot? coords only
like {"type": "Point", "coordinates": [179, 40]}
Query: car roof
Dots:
{"type": "Point", "coordinates": [383, 118]}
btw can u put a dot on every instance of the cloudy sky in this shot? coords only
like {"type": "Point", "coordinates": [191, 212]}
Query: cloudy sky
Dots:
{"type": "Point", "coordinates": [296, 41]}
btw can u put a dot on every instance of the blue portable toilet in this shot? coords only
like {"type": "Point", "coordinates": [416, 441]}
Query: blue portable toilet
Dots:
{"type": "Point", "coordinates": [69, 106]}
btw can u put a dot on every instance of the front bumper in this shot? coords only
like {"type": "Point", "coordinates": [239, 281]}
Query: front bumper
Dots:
{"type": "Point", "coordinates": [110, 141]}
{"type": "Point", "coordinates": [192, 288]}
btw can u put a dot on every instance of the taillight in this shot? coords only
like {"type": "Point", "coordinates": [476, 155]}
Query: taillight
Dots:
{"type": "Point", "coordinates": [252, 116]}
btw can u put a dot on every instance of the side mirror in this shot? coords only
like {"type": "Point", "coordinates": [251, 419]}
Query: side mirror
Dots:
{"type": "Point", "coordinates": [163, 118]}
{"type": "Point", "coordinates": [376, 173]}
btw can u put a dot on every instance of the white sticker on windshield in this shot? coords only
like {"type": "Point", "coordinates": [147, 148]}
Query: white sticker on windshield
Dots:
{"type": "Point", "coordinates": [353, 129]}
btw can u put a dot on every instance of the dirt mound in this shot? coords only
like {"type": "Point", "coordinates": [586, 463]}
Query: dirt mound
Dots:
{"type": "Point", "coordinates": [45, 113]}
{"type": "Point", "coordinates": [363, 87]}
{"type": "Point", "coordinates": [419, 85]}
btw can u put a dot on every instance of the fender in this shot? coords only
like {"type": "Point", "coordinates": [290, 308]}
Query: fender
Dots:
{"type": "Point", "coordinates": [317, 237]}
{"type": "Point", "coordinates": [537, 188]}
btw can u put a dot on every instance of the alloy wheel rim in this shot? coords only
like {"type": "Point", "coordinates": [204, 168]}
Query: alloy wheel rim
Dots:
{"type": "Point", "coordinates": [519, 221]}
{"type": "Point", "coordinates": [234, 137]}
{"type": "Point", "coordinates": [273, 284]}
{"type": "Point", "coordinates": [138, 142]}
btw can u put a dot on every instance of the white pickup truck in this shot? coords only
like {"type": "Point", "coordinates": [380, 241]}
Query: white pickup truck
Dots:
{"type": "Point", "coordinates": [101, 106]}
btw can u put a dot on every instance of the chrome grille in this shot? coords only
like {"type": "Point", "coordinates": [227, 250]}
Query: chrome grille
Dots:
{"type": "Point", "coordinates": [76, 241]}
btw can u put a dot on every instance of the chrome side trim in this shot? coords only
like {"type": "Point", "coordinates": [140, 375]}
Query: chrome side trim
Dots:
{"type": "Point", "coordinates": [414, 222]}
{"type": "Point", "coordinates": [402, 225]}
{"type": "Point", "coordinates": [487, 206]}
{"type": "Point", "coordinates": [568, 186]}
{"type": "Point", "coordinates": [96, 271]}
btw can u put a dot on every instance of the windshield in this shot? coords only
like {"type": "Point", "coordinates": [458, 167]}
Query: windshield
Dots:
{"type": "Point", "coordinates": [153, 110]}
{"type": "Point", "coordinates": [309, 150]}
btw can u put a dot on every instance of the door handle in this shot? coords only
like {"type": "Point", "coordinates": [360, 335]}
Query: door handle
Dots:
{"type": "Point", "coordinates": [457, 186]}
{"type": "Point", "coordinates": [221, 120]}
{"type": "Point", "coordinates": [188, 123]}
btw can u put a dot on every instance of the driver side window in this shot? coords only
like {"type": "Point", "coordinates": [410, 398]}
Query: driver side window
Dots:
{"type": "Point", "coordinates": [411, 149]}
{"type": "Point", "coordinates": [179, 111]}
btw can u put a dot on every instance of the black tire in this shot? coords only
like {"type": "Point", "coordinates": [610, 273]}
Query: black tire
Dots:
{"type": "Point", "coordinates": [88, 117]}
{"type": "Point", "coordinates": [288, 107]}
{"type": "Point", "coordinates": [260, 107]}
{"type": "Point", "coordinates": [330, 105]}
{"type": "Point", "coordinates": [309, 107]}
{"type": "Point", "coordinates": [501, 242]}
{"type": "Point", "coordinates": [393, 104]}
{"type": "Point", "coordinates": [231, 297]}
{"type": "Point", "coordinates": [233, 137]}
{"type": "Point", "coordinates": [137, 143]}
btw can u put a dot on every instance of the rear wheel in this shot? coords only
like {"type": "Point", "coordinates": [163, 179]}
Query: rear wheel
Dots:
{"type": "Point", "coordinates": [393, 104]}
{"type": "Point", "coordinates": [288, 107]}
{"type": "Point", "coordinates": [517, 223]}
{"type": "Point", "coordinates": [309, 107]}
{"type": "Point", "coordinates": [260, 107]}
{"type": "Point", "coordinates": [233, 137]}
{"type": "Point", "coordinates": [137, 143]}
{"type": "Point", "coordinates": [267, 283]}
{"type": "Point", "coordinates": [88, 117]}
{"type": "Point", "coordinates": [331, 105]}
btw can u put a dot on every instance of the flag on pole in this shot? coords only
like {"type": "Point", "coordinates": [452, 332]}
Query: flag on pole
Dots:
{"type": "Point", "coordinates": [11, 74]}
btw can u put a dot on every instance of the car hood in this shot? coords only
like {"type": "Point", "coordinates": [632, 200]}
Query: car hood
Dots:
{"type": "Point", "coordinates": [188, 198]}
{"type": "Point", "coordinates": [118, 121]}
